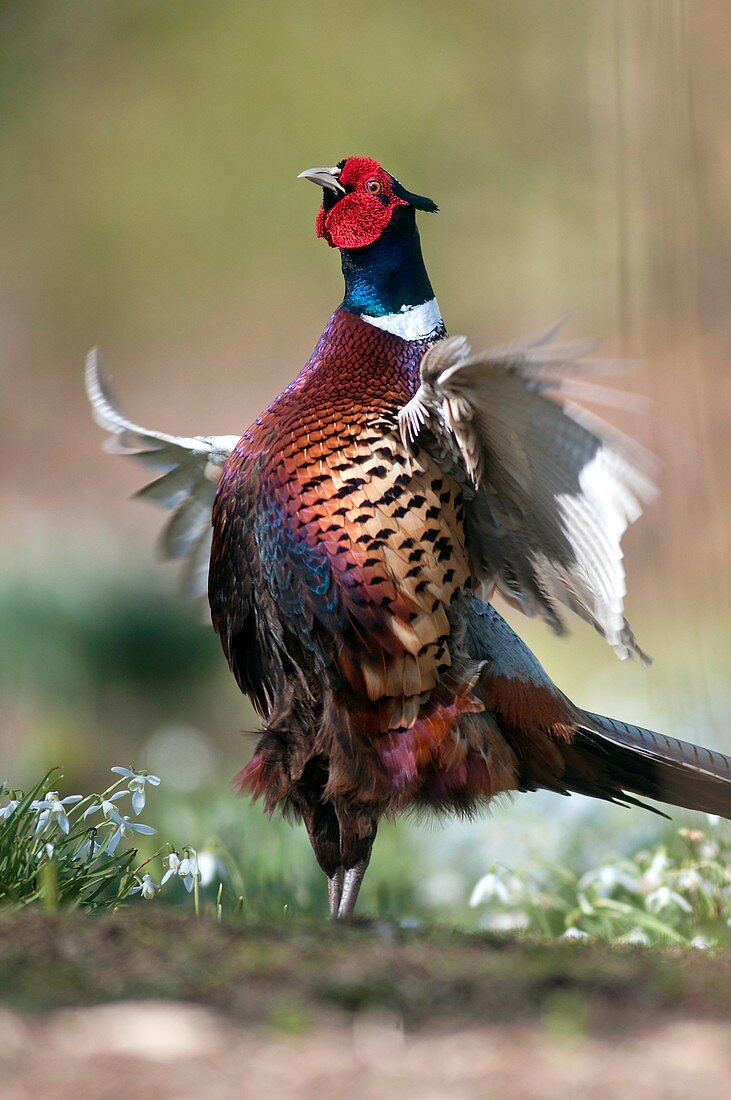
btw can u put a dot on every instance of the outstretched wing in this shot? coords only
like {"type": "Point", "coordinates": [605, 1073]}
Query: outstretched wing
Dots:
{"type": "Point", "coordinates": [554, 487]}
{"type": "Point", "coordinates": [189, 468]}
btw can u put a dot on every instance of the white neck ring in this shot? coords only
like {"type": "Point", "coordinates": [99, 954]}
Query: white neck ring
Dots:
{"type": "Point", "coordinates": [411, 322]}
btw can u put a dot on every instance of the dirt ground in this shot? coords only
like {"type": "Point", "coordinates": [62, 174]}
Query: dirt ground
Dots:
{"type": "Point", "coordinates": [153, 1050]}
{"type": "Point", "coordinates": [157, 1006]}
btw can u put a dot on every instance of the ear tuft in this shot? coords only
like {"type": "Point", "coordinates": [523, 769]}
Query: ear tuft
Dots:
{"type": "Point", "coordinates": [419, 202]}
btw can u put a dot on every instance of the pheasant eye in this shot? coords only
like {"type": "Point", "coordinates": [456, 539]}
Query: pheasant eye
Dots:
{"type": "Point", "coordinates": [374, 187]}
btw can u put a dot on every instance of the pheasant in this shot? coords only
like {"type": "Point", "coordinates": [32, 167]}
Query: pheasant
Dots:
{"type": "Point", "coordinates": [352, 537]}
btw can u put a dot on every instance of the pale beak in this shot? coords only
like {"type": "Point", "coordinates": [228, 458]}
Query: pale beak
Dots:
{"type": "Point", "coordinates": [323, 177]}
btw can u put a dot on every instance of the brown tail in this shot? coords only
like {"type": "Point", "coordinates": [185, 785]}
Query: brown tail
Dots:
{"type": "Point", "coordinates": [613, 760]}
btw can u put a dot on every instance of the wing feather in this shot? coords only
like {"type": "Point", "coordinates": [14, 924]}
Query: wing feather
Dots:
{"type": "Point", "coordinates": [190, 469]}
{"type": "Point", "coordinates": [553, 487]}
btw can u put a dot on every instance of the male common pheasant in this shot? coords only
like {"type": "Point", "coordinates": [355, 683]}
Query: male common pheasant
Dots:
{"type": "Point", "coordinates": [357, 523]}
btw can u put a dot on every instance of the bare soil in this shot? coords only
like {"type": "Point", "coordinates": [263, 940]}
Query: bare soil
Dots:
{"type": "Point", "coordinates": [159, 1005]}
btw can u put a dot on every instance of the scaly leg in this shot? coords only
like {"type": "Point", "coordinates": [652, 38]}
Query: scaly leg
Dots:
{"type": "Point", "coordinates": [335, 891]}
{"type": "Point", "coordinates": [351, 887]}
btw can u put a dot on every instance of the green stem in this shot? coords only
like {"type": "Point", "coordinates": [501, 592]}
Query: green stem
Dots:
{"type": "Point", "coordinates": [49, 885]}
{"type": "Point", "coordinates": [196, 889]}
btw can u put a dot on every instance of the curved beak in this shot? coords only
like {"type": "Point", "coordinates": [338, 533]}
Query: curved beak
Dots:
{"type": "Point", "coordinates": [323, 177]}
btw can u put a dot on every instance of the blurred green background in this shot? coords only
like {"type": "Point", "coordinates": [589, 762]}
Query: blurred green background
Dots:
{"type": "Point", "coordinates": [581, 155]}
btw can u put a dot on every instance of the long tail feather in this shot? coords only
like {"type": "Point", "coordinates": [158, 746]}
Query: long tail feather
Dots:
{"type": "Point", "coordinates": [621, 758]}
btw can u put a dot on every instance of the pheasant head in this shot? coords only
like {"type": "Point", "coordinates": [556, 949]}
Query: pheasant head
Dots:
{"type": "Point", "coordinates": [360, 199]}
{"type": "Point", "coordinates": [371, 217]}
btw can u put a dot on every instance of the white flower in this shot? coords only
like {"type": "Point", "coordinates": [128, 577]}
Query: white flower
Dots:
{"type": "Point", "coordinates": [47, 850]}
{"type": "Point", "coordinates": [106, 805]}
{"type": "Point", "coordinates": [663, 897]}
{"type": "Point", "coordinates": [136, 785]}
{"type": "Point", "coordinates": [506, 922]}
{"type": "Point", "coordinates": [701, 942]}
{"type": "Point", "coordinates": [173, 861]}
{"type": "Point", "coordinates": [636, 935]}
{"type": "Point", "coordinates": [186, 868]}
{"type": "Point", "coordinates": [146, 887]}
{"type": "Point", "coordinates": [53, 807]}
{"type": "Point", "coordinates": [653, 876]}
{"type": "Point", "coordinates": [690, 880]}
{"type": "Point", "coordinates": [188, 871]}
{"type": "Point", "coordinates": [575, 934]}
{"type": "Point", "coordinates": [125, 828]}
{"type": "Point", "coordinates": [506, 888]}
{"type": "Point", "coordinates": [606, 878]}
{"type": "Point", "coordinates": [208, 867]}
{"type": "Point", "coordinates": [10, 809]}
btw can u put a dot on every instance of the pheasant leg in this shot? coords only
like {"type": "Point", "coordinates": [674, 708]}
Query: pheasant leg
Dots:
{"type": "Point", "coordinates": [335, 891]}
{"type": "Point", "coordinates": [351, 887]}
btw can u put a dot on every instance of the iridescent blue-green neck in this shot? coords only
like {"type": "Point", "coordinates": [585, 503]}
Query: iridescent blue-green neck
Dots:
{"type": "Point", "coordinates": [389, 275]}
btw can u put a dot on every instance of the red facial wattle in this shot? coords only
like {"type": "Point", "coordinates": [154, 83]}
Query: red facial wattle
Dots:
{"type": "Point", "coordinates": [361, 215]}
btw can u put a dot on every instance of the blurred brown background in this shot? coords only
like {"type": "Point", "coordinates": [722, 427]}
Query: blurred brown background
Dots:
{"type": "Point", "coordinates": [581, 155]}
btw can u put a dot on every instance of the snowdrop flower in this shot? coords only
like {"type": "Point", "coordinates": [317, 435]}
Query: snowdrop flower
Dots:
{"type": "Point", "coordinates": [125, 828]}
{"type": "Point", "coordinates": [173, 861]}
{"type": "Point", "coordinates": [54, 807]}
{"type": "Point", "coordinates": [663, 897]}
{"type": "Point", "coordinates": [690, 880]}
{"type": "Point", "coordinates": [701, 942]}
{"type": "Point", "coordinates": [655, 873]}
{"type": "Point", "coordinates": [137, 781]}
{"type": "Point", "coordinates": [636, 936]}
{"type": "Point", "coordinates": [188, 871]}
{"type": "Point", "coordinates": [575, 934]}
{"type": "Point", "coordinates": [106, 805]}
{"type": "Point", "coordinates": [504, 888]}
{"type": "Point", "coordinates": [146, 887]}
{"type": "Point", "coordinates": [208, 867]}
{"type": "Point", "coordinates": [186, 868]}
{"type": "Point", "coordinates": [47, 850]}
{"type": "Point", "coordinates": [9, 810]}
{"type": "Point", "coordinates": [606, 878]}
{"type": "Point", "coordinates": [506, 922]}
